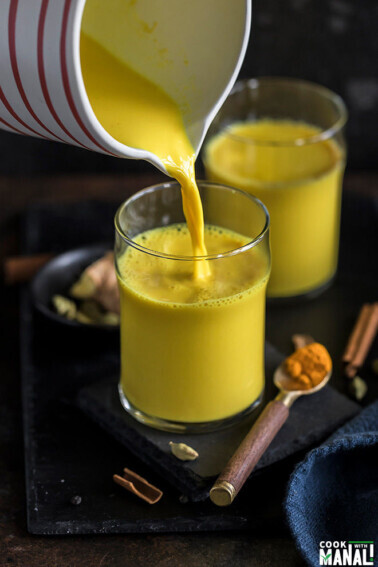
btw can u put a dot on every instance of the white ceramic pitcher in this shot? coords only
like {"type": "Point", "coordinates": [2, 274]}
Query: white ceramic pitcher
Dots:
{"type": "Point", "coordinates": [192, 49]}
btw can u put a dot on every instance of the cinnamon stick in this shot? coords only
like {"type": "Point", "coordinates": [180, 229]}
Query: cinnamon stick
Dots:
{"type": "Point", "coordinates": [139, 486]}
{"type": "Point", "coordinates": [20, 269]}
{"type": "Point", "coordinates": [358, 348]}
{"type": "Point", "coordinates": [356, 333]}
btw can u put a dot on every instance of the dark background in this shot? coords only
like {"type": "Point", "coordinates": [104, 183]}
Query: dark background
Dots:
{"type": "Point", "coordinates": [331, 42]}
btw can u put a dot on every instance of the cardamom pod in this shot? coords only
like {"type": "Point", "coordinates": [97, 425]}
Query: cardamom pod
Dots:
{"type": "Point", "coordinates": [92, 310]}
{"type": "Point", "coordinates": [183, 452]}
{"type": "Point", "coordinates": [110, 318]}
{"type": "Point", "coordinates": [64, 306]}
{"type": "Point", "coordinates": [84, 288]}
{"type": "Point", "coordinates": [358, 388]}
{"type": "Point", "coordinates": [83, 318]}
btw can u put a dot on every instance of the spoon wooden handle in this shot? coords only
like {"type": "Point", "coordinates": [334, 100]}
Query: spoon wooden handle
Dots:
{"type": "Point", "coordinates": [251, 449]}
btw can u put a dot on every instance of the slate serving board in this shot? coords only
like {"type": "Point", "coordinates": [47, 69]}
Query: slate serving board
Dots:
{"type": "Point", "coordinates": [311, 419]}
{"type": "Point", "coordinates": [66, 454]}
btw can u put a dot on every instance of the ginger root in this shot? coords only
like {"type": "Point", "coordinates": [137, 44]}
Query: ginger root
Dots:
{"type": "Point", "coordinates": [99, 282]}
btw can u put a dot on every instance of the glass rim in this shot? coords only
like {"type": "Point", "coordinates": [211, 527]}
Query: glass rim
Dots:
{"type": "Point", "coordinates": [324, 134]}
{"type": "Point", "coordinates": [160, 186]}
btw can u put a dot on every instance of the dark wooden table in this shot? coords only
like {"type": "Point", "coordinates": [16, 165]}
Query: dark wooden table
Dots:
{"type": "Point", "coordinates": [17, 547]}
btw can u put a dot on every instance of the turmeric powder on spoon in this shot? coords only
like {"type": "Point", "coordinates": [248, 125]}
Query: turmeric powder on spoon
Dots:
{"type": "Point", "coordinates": [307, 367]}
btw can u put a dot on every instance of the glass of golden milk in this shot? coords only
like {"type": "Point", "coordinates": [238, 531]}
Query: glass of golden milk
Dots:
{"type": "Point", "coordinates": [192, 340]}
{"type": "Point", "coordinates": [282, 140]}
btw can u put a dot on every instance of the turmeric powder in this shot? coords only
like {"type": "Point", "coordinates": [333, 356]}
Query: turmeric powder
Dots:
{"type": "Point", "coordinates": [308, 365]}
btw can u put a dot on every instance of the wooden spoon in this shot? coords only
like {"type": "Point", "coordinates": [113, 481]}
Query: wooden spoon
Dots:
{"type": "Point", "coordinates": [254, 445]}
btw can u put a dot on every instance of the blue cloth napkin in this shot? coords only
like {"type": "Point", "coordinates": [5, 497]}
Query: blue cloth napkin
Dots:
{"type": "Point", "coordinates": [333, 494]}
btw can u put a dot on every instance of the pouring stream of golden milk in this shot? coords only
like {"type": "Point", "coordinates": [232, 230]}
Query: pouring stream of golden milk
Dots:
{"type": "Point", "coordinates": [139, 114]}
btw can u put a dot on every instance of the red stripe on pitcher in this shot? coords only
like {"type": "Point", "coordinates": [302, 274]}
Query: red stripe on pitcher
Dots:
{"type": "Point", "coordinates": [15, 115]}
{"type": "Point", "coordinates": [42, 73]}
{"type": "Point", "coordinates": [13, 57]}
{"type": "Point", "coordinates": [11, 127]}
{"type": "Point", "coordinates": [66, 82]}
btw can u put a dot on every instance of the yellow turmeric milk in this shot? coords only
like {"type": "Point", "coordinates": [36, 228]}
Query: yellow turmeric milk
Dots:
{"type": "Point", "coordinates": [139, 114]}
{"type": "Point", "coordinates": [175, 361]}
{"type": "Point", "coordinates": [301, 187]}
{"type": "Point", "coordinates": [213, 327]}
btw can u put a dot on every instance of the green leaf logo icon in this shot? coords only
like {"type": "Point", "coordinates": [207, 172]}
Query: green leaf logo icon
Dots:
{"type": "Point", "coordinates": [326, 557]}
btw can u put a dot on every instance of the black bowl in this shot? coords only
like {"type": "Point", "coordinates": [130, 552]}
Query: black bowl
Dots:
{"type": "Point", "coordinates": [56, 278]}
